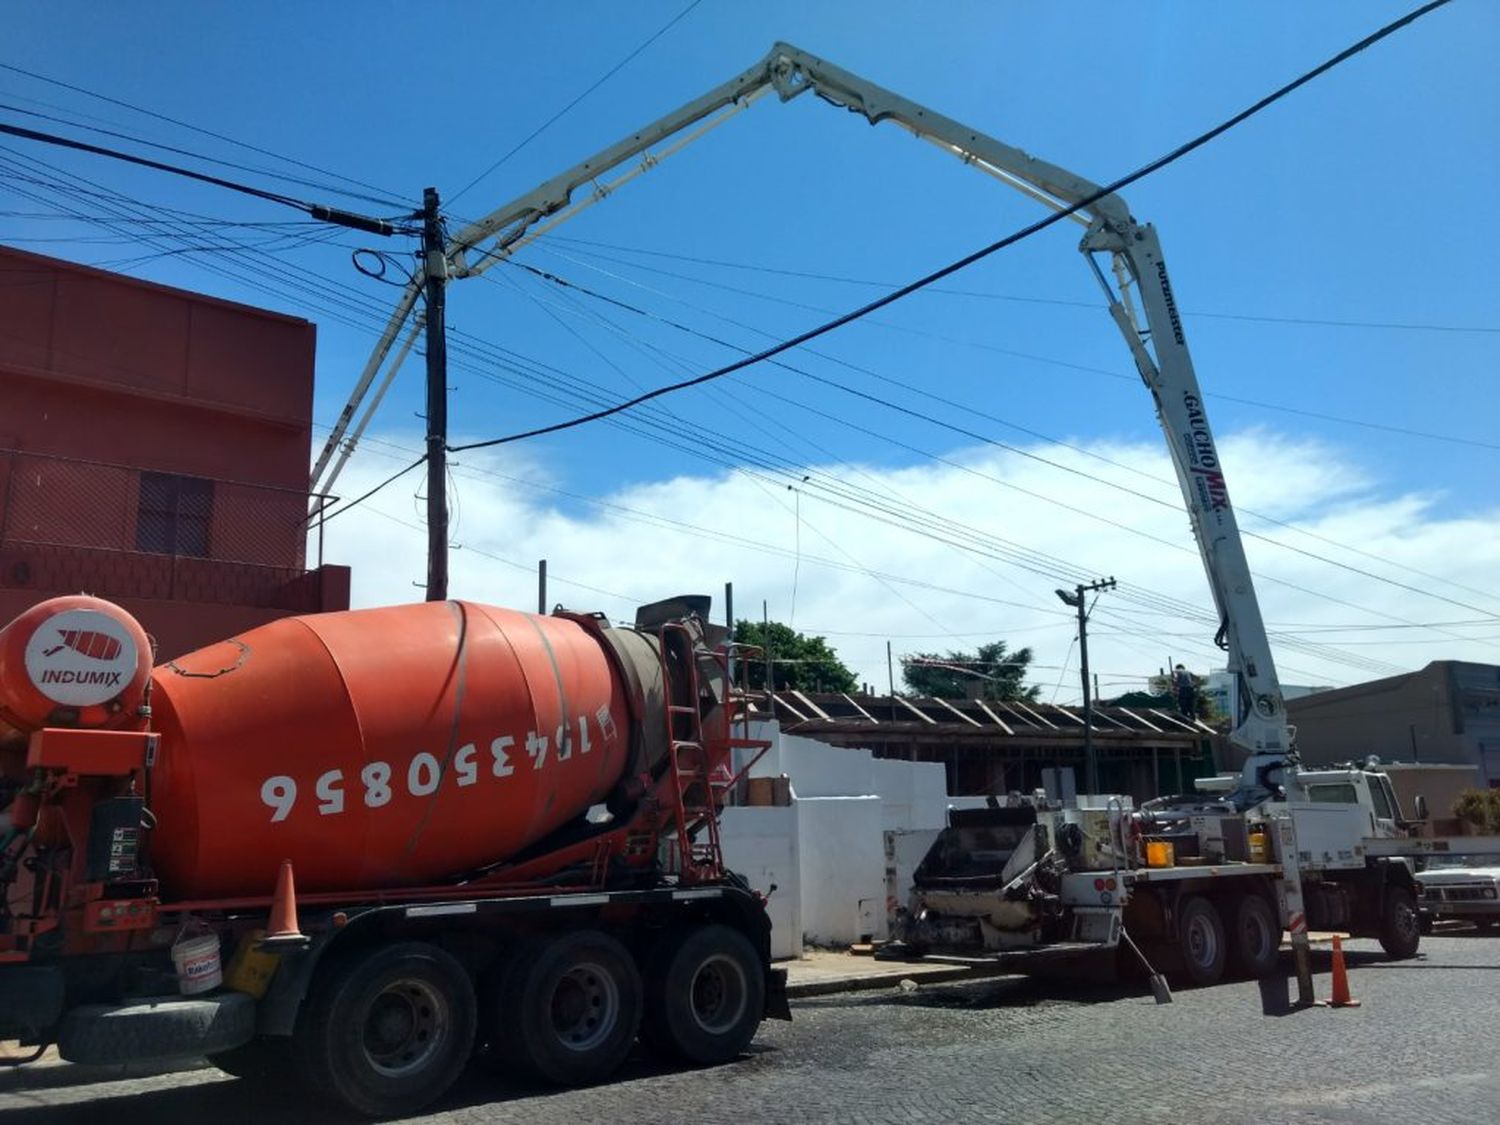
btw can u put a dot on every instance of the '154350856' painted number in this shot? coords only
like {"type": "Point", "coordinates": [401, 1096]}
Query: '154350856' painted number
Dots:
{"type": "Point", "coordinates": [378, 781]}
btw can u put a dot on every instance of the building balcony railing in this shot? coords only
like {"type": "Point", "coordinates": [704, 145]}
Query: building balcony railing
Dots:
{"type": "Point", "coordinates": [77, 525]}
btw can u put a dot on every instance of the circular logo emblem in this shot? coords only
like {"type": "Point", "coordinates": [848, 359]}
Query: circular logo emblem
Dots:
{"type": "Point", "coordinates": [80, 657]}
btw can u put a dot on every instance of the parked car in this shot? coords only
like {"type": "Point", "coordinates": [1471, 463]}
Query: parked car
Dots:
{"type": "Point", "coordinates": [1465, 888]}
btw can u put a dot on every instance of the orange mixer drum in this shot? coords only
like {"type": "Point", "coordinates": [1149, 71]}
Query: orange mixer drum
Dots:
{"type": "Point", "coordinates": [379, 747]}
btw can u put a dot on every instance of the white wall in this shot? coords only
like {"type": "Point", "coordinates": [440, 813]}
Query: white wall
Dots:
{"type": "Point", "coordinates": [762, 844]}
{"type": "Point", "coordinates": [843, 868]}
{"type": "Point", "coordinates": [827, 853]}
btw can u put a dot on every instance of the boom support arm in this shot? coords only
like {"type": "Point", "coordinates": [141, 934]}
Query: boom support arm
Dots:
{"type": "Point", "coordinates": [1159, 347]}
{"type": "Point", "coordinates": [1161, 356]}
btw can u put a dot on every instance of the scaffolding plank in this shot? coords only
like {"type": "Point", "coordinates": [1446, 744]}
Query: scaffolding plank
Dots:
{"type": "Point", "coordinates": [775, 699]}
{"type": "Point", "coordinates": [1034, 715]}
{"type": "Point", "coordinates": [1173, 719]}
{"type": "Point", "coordinates": [956, 711]}
{"type": "Point", "coordinates": [1145, 722]}
{"type": "Point", "coordinates": [816, 710]}
{"type": "Point", "coordinates": [918, 712]}
{"type": "Point", "coordinates": [999, 722]}
{"type": "Point", "coordinates": [854, 703]}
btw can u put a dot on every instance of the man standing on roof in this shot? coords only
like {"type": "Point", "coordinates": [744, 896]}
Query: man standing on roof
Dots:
{"type": "Point", "coordinates": [1185, 690]}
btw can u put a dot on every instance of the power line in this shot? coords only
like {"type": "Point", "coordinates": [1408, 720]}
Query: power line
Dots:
{"type": "Point", "coordinates": [812, 275]}
{"type": "Point", "coordinates": [216, 136]}
{"type": "Point", "coordinates": [978, 255]}
{"type": "Point", "coordinates": [303, 181]}
{"type": "Point", "coordinates": [545, 125]}
{"type": "Point", "coordinates": [1050, 361]}
{"type": "Point", "coordinates": [358, 500]}
{"type": "Point", "coordinates": [970, 409]}
{"type": "Point", "coordinates": [316, 210]}
{"type": "Point", "coordinates": [976, 436]}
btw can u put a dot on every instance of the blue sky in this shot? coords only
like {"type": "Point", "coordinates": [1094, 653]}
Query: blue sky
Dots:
{"type": "Point", "coordinates": [1360, 198]}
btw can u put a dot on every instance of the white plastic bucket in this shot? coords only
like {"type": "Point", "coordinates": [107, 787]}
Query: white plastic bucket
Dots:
{"type": "Point", "coordinates": [197, 962]}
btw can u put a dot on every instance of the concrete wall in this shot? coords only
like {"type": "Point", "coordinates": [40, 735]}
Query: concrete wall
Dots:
{"type": "Point", "coordinates": [762, 844]}
{"type": "Point", "coordinates": [827, 852]}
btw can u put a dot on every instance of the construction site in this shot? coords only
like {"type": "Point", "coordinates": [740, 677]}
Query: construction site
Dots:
{"type": "Point", "coordinates": [380, 737]}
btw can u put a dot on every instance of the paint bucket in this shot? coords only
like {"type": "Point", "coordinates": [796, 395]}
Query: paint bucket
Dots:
{"type": "Point", "coordinates": [196, 959]}
{"type": "Point", "coordinates": [1160, 853]}
{"type": "Point", "coordinates": [1260, 845]}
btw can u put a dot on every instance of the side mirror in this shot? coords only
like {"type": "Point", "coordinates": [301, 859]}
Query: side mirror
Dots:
{"type": "Point", "coordinates": [1421, 805]}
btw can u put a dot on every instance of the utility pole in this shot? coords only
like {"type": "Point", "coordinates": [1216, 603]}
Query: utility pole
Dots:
{"type": "Point", "coordinates": [541, 586]}
{"type": "Point", "coordinates": [435, 268]}
{"type": "Point", "coordinates": [1079, 600]}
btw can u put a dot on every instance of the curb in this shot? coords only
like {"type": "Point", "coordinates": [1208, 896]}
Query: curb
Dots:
{"type": "Point", "coordinates": [796, 990]}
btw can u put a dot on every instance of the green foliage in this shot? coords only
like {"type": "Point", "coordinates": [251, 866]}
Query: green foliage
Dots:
{"type": "Point", "coordinates": [1479, 809]}
{"type": "Point", "coordinates": [992, 672]}
{"type": "Point", "coordinates": [798, 662]}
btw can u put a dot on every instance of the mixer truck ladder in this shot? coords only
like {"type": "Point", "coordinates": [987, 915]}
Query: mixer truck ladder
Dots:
{"type": "Point", "coordinates": [694, 791]}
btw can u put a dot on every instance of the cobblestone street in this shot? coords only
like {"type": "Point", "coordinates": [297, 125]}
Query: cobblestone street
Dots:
{"type": "Point", "coordinates": [1422, 1048]}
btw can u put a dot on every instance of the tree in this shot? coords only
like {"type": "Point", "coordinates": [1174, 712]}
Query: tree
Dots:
{"type": "Point", "coordinates": [1479, 809]}
{"type": "Point", "coordinates": [992, 672]}
{"type": "Point", "coordinates": [798, 662]}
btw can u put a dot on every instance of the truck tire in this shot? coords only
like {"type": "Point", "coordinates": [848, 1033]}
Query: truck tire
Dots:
{"type": "Point", "coordinates": [1200, 941]}
{"type": "Point", "coordinates": [162, 1029]}
{"type": "Point", "coordinates": [1255, 938]}
{"type": "Point", "coordinates": [1400, 925]}
{"type": "Point", "coordinates": [569, 1009]}
{"type": "Point", "coordinates": [388, 1032]}
{"type": "Point", "coordinates": [256, 1060]}
{"type": "Point", "coordinates": [705, 996]}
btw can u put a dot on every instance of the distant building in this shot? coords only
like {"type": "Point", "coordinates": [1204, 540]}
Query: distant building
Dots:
{"type": "Point", "coordinates": [154, 450]}
{"type": "Point", "coordinates": [1221, 688]}
{"type": "Point", "coordinates": [989, 747]}
{"type": "Point", "coordinates": [1449, 712]}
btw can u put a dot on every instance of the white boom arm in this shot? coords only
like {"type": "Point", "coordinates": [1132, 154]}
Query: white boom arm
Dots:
{"type": "Point", "coordinates": [1159, 347]}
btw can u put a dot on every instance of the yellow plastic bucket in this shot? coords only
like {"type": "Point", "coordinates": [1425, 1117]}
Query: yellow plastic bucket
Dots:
{"type": "Point", "coordinates": [1160, 853]}
{"type": "Point", "coordinates": [1260, 846]}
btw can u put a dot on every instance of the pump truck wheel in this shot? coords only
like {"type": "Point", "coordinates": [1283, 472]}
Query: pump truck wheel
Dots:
{"type": "Point", "coordinates": [1255, 939]}
{"type": "Point", "coordinates": [705, 991]}
{"type": "Point", "coordinates": [389, 1031]}
{"type": "Point", "coordinates": [1200, 940]}
{"type": "Point", "coordinates": [1400, 926]}
{"type": "Point", "coordinates": [569, 1009]}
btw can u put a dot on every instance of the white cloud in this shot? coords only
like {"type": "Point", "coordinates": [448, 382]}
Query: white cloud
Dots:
{"type": "Point", "coordinates": [691, 534]}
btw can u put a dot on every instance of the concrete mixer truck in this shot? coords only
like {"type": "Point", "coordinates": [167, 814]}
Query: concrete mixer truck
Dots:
{"type": "Point", "coordinates": [366, 847]}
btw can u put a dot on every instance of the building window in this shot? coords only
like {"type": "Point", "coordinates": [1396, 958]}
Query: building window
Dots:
{"type": "Point", "coordinates": [173, 515]}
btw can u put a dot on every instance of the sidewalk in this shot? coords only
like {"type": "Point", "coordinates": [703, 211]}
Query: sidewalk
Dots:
{"type": "Point", "coordinates": [821, 972]}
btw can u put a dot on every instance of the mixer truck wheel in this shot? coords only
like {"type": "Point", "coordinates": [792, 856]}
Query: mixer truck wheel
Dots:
{"type": "Point", "coordinates": [256, 1060]}
{"type": "Point", "coordinates": [1255, 940]}
{"type": "Point", "coordinates": [569, 1009]}
{"type": "Point", "coordinates": [389, 1030]}
{"type": "Point", "coordinates": [705, 994]}
{"type": "Point", "coordinates": [1200, 941]}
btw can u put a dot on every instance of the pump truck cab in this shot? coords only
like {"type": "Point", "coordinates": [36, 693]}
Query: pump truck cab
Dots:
{"type": "Point", "coordinates": [363, 847]}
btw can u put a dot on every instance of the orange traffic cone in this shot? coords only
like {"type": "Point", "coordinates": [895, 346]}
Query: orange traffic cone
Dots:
{"type": "Point", "coordinates": [282, 933]}
{"type": "Point", "coordinates": [1340, 997]}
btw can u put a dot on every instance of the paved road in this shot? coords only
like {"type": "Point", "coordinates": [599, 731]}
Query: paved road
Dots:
{"type": "Point", "coordinates": [1423, 1049]}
